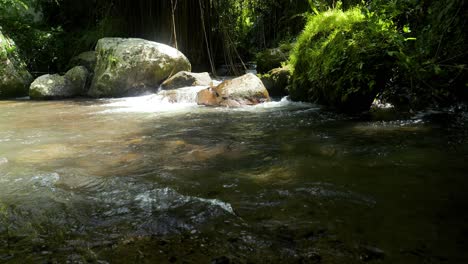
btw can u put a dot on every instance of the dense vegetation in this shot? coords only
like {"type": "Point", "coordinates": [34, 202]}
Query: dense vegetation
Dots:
{"type": "Point", "coordinates": [342, 58]}
{"type": "Point", "coordinates": [410, 53]}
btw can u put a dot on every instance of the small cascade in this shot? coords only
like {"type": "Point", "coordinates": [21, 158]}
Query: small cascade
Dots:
{"type": "Point", "coordinates": [162, 101]}
{"type": "Point", "coordinates": [185, 95]}
{"type": "Point", "coordinates": [184, 99]}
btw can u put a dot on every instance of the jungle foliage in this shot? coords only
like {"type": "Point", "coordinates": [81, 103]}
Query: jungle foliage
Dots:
{"type": "Point", "coordinates": [408, 52]}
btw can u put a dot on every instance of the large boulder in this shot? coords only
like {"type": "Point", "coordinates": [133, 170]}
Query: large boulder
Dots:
{"type": "Point", "coordinates": [127, 67]}
{"type": "Point", "coordinates": [86, 59]}
{"type": "Point", "coordinates": [277, 80]}
{"type": "Point", "coordinates": [245, 90]}
{"type": "Point", "coordinates": [14, 77]}
{"type": "Point", "coordinates": [55, 86]}
{"type": "Point", "coordinates": [185, 79]}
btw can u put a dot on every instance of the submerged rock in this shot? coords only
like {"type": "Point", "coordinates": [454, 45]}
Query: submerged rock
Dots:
{"type": "Point", "coordinates": [55, 86]}
{"type": "Point", "coordinates": [127, 67]}
{"type": "Point", "coordinates": [86, 59]}
{"type": "Point", "coordinates": [245, 90]}
{"type": "Point", "coordinates": [14, 77]}
{"type": "Point", "coordinates": [185, 79]}
{"type": "Point", "coordinates": [277, 80]}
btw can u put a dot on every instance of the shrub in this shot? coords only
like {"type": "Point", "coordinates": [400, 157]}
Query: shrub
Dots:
{"type": "Point", "coordinates": [343, 59]}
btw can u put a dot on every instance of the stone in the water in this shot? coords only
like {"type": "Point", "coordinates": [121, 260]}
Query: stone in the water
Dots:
{"type": "Point", "coordinates": [207, 97]}
{"type": "Point", "coordinates": [245, 90]}
{"type": "Point", "coordinates": [127, 67]}
{"type": "Point", "coordinates": [55, 86]}
{"type": "Point", "coordinates": [185, 79]}
{"type": "Point", "coordinates": [14, 76]}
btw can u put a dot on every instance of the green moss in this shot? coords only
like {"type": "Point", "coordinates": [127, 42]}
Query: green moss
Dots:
{"type": "Point", "coordinates": [342, 59]}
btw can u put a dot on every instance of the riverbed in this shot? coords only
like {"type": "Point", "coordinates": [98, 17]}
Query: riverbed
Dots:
{"type": "Point", "coordinates": [144, 180]}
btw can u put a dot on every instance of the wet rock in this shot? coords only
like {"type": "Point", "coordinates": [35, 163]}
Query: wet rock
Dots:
{"type": "Point", "coordinates": [207, 97]}
{"type": "Point", "coordinates": [14, 77]}
{"type": "Point", "coordinates": [55, 86]}
{"type": "Point", "coordinates": [49, 86]}
{"type": "Point", "coordinates": [277, 80]}
{"type": "Point", "coordinates": [245, 90]}
{"type": "Point", "coordinates": [185, 79]}
{"type": "Point", "coordinates": [127, 67]}
{"type": "Point", "coordinates": [86, 59]}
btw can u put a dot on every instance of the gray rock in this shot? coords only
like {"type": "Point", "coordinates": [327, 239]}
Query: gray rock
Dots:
{"type": "Point", "coordinates": [245, 90]}
{"type": "Point", "coordinates": [78, 77]}
{"type": "Point", "coordinates": [14, 77]}
{"type": "Point", "coordinates": [50, 86]}
{"type": "Point", "coordinates": [55, 86]}
{"type": "Point", "coordinates": [127, 67]}
{"type": "Point", "coordinates": [86, 59]}
{"type": "Point", "coordinates": [185, 79]}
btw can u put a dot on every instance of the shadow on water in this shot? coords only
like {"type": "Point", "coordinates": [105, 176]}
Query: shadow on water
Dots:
{"type": "Point", "coordinates": [264, 185]}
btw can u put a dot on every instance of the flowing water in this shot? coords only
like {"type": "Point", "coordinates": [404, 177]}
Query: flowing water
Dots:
{"type": "Point", "coordinates": [143, 180]}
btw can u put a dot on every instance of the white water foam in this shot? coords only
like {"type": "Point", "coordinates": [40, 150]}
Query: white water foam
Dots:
{"type": "Point", "coordinates": [46, 180]}
{"type": "Point", "coordinates": [162, 101]}
{"type": "Point", "coordinates": [182, 100]}
{"type": "Point", "coordinates": [166, 198]}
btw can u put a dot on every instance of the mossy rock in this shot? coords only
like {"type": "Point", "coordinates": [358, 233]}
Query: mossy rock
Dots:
{"type": "Point", "coordinates": [342, 59]}
{"type": "Point", "coordinates": [14, 77]}
{"type": "Point", "coordinates": [277, 80]}
{"type": "Point", "coordinates": [127, 67]}
{"type": "Point", "coordinates": [55, 86]}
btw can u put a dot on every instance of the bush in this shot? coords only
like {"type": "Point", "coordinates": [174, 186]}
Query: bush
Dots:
{"type": "Point", "coordinates": [432, 69]}
{"type": "Point", "coordinates": [343, 59]}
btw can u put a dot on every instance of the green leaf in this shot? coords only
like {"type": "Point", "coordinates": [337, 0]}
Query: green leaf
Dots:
{"type": "Point", "coordinates": [406, 29]}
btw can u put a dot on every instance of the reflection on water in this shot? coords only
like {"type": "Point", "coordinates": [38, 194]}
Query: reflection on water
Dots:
{"type": "Point", "coordinates": [159, 179]}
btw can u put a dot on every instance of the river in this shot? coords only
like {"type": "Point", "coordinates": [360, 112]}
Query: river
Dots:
{"type": "Point", "coordinates": [142, 180]}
